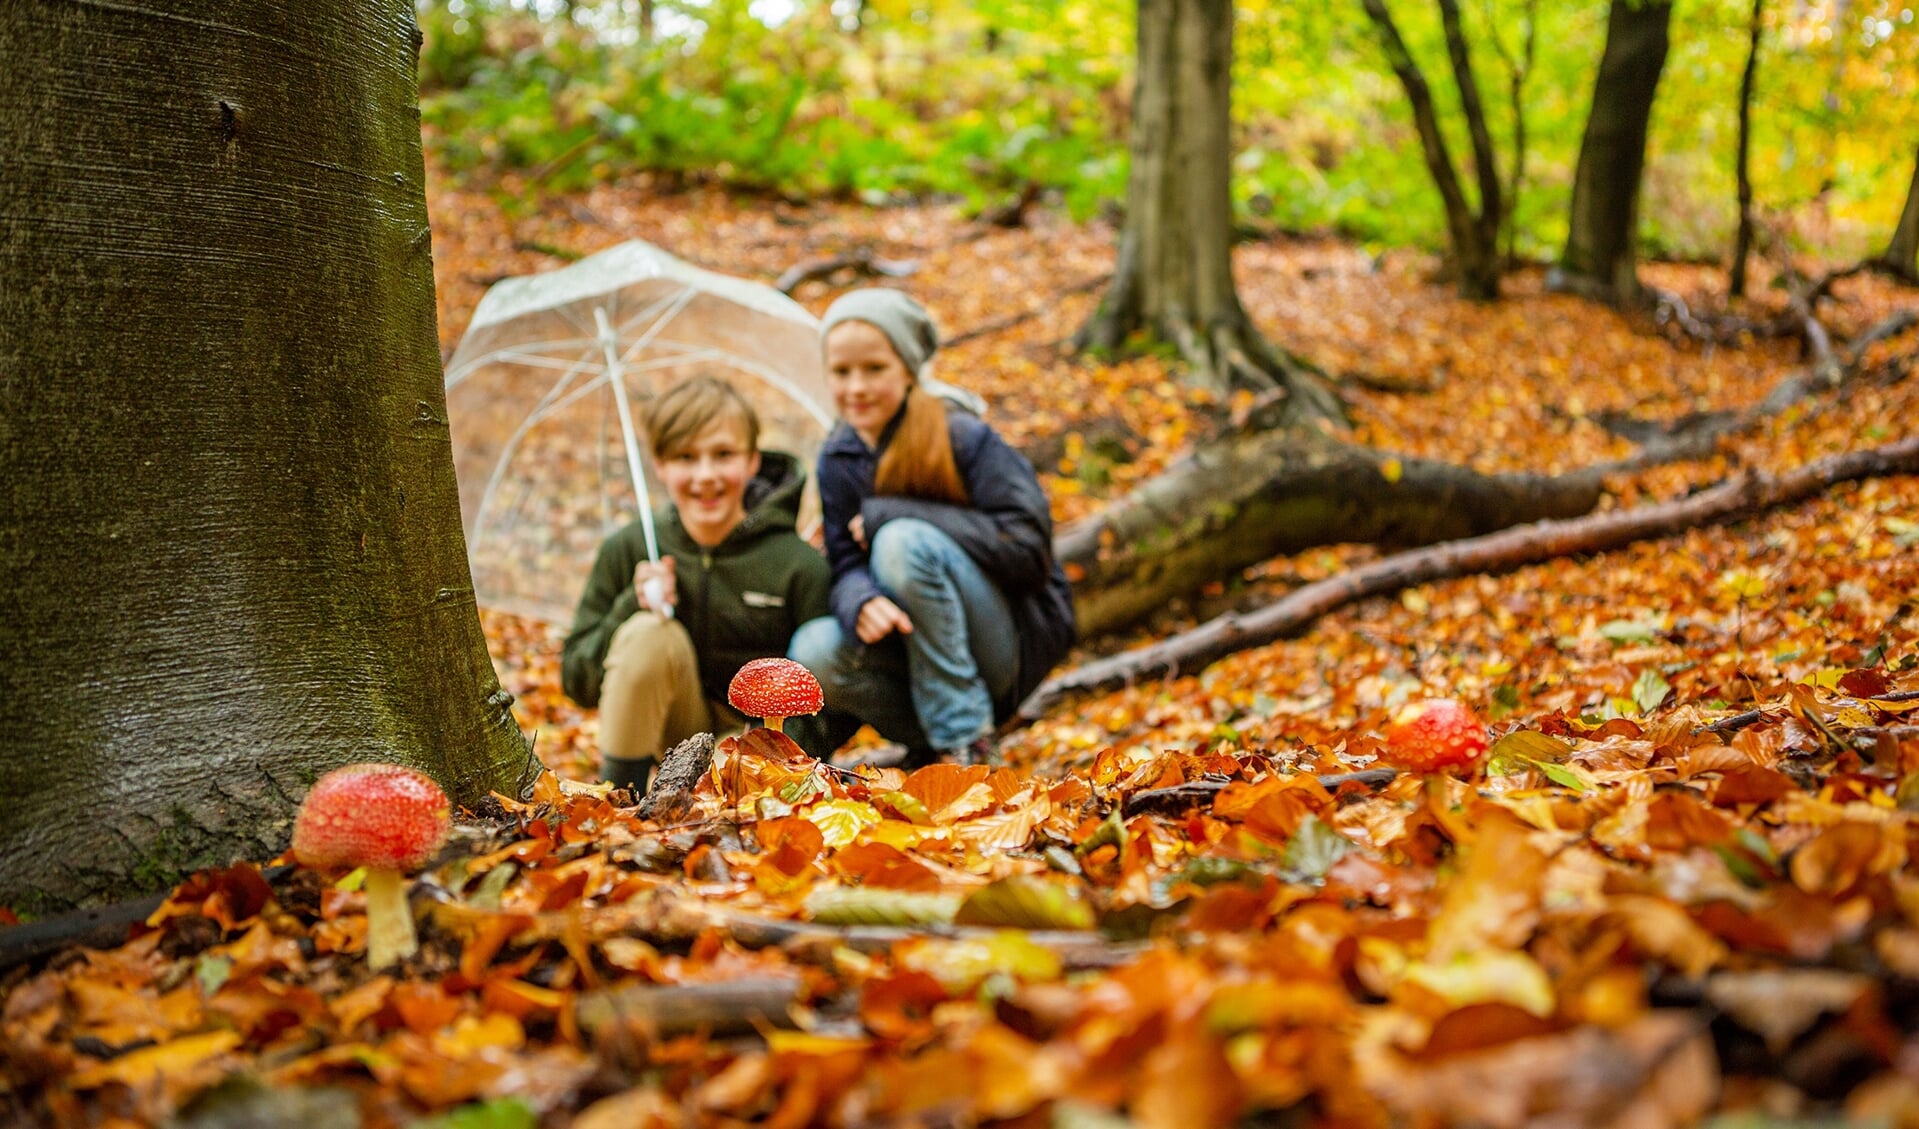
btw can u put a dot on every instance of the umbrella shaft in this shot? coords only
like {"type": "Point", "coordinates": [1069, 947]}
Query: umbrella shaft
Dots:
{"type": "Point", "coordinates": [634, 467]}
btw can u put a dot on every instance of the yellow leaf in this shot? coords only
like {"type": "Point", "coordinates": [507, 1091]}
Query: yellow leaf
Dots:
{"type": "Point", "coordinates": [1392, 470]}
{"type": "Point", "coordinates": [841, 821]}
{"type": "Point", "coordinates": [141, 1067]}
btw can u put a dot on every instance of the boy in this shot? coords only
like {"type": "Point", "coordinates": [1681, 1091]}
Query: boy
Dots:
{"type": "Point", "coordinates": [733, 571]}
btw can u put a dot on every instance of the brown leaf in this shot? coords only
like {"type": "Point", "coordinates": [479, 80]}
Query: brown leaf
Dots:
{"type": "Point", "coordinates": [1845, 853]}
{"type": "Point", "coordinates": [1494, 900]}
{"type": "Point", "coordinates": [1781, 1004]}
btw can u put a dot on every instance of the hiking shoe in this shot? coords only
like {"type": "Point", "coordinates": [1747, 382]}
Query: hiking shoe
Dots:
{"type": "Point", "coordinates": [980, 751]}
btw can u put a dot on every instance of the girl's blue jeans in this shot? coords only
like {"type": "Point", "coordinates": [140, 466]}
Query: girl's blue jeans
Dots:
{"type": "Point", "coordinates": [933, 688]}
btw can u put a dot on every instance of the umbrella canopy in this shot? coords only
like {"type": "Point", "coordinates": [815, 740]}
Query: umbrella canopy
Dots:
{"type": "Point", "coordinates": [545, 392]}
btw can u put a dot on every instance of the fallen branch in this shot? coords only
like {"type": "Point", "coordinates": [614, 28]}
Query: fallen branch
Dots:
{"type": "Point", "coordinates": [863, 263]}
{"type": "Point", "coordinates": [1747, 494]}
{"type": "Point", "coordinates": [1181, 797]}
{"type": "Point", "coordinates": [653, 1012]}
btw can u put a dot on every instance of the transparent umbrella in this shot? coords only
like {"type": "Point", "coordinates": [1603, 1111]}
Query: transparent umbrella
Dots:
{"type": "Point", "coordinates": [544, 395]}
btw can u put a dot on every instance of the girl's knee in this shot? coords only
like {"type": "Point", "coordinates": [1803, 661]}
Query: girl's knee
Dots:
{"type": "Point", "coordinates": [906, 547]}
{"type": "Point", "coordinates": [815, 643]}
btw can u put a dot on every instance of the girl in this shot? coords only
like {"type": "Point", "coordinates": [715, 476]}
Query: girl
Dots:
{"type": "Point", "coordinates": [948, 607]}
{"type": "Point", "coordinates": [734, 580]}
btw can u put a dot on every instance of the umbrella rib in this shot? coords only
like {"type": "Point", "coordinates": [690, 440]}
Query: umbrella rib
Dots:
{"type": "Point", "coordinates": [516, 354]}
{"type": "Point", "coordinates": [512, 445]}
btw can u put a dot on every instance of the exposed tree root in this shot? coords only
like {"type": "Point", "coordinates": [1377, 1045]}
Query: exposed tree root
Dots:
{"type": "Point", "coordinates": [1746, 494]}
{"type": "Point", "coordinates": [863, 264]}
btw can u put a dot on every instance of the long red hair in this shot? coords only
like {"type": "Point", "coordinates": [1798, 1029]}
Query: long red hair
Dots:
{"type": "Point", "coordinates": [919, 462]}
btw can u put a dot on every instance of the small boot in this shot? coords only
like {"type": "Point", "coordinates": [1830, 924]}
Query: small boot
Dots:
{"type": "Point", "coordinates": [631, 773]}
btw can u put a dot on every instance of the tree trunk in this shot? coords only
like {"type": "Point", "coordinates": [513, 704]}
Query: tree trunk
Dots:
{"type": "Point", "coordinates": [1742, 242]}
{"type": "Point", "coordinates": [1600, 260]}
{"type": "Point", "coordinates": [1901, 257]}
{"type": "Point", "coordinates": [1235, 502]}
{"type": "Point", "coordinates": [1473, 237]}
{"type": "Point", "coordinates": [232, 538]}
{"type": "Point", "coordinates": [1174, 279]}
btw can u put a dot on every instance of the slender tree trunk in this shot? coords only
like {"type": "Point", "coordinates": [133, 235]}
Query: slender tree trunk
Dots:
{"type": "Point", "coordinates": [1901, 257]}
{"type": "Point", "coordinates": [1742, 242]}
{"type": "Point", "coordinates": [1174, 278]}
{"type": "Point", "coordinates": [1600, 260]}
{"type": "Point", "coordinates": [231, 532]}
{"type": "Point", "coordinates": [1473, 236]}
{"type": "Point", "coordinates": [646, 21]}
{"type": "Point", "coordinates": [1518, 71]}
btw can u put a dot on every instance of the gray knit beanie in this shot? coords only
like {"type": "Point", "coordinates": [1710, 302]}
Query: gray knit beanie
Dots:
{"type": "Point", "coordinates": [905, 322]}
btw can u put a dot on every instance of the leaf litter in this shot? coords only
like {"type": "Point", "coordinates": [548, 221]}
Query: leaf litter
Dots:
{"type": "Point", "coordinates": [1678, 885]}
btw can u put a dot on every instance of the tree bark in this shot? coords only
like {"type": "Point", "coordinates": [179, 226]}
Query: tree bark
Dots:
{"type": "Point", "coordinates": [1600, 260]}
{"type": "Point", "coordinates": [1175, 274]}
{"type": "Point", "coordinates": [1901, 257]}
{"type": "Point", "coordinates": [1473, 236]}
{"type": "Point", "coordinates": [231, 531]}
{"type": "Point", "coordinates": [1236, 501]}
{"type": "Point", "coordinates": [1742, 240]}
{"type": "Point", "coordinates": [1506, 549]}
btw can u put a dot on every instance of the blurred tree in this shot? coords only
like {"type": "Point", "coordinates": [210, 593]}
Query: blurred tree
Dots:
{"type": "Point", "coordinates": [1472, 236]}
{"type": "Point", "coordinates": [1742, 239]}
{"type": "Point", "coordinates": [1600, 259]}
{"type": "Point", "coordinates": [1898, 259]}
{"type": "Point", "coordinates": [231, 534]}
{"type": "Point", "coordinates": [1174, 279]}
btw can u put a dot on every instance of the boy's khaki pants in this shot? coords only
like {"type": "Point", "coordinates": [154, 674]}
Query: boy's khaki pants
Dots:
{"type": "Point", "coordinates": [650, 698]}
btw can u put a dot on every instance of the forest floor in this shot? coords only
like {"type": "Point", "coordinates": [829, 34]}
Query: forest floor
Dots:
{"type": "Point", "coordinates": [1676, 891]}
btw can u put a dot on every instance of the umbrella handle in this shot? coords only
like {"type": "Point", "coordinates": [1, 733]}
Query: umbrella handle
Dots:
{"type": "Point", "coordinates": [655, 592]}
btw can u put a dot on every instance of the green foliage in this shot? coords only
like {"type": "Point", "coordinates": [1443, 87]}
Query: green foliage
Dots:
{"type": "Point", "coordinates": [974, 101]}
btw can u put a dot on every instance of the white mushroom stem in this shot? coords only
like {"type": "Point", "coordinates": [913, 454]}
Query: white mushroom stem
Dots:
{"type": "Point", "coordinates": [389, 920]}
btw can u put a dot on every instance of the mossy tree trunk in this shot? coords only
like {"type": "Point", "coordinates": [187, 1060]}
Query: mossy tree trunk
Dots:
{"type": "Point", "coordinates": [1601, 259]}
{"type": "Point", "coordinates": [1235, 502]}
{"type": "Point", "coordinates": [1174, 281]}
{"type": "Point", "coordinates": [231, 532]}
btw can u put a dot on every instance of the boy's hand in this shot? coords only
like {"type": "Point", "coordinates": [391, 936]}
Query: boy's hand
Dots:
{"type": "Point", "coordinates": [857, 527]}
{"type": "Point", "coordinates": [666, 592]}
{"type": "Point", "coordinates": [880, 617]}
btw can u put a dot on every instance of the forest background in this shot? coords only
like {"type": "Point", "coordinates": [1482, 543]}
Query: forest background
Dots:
{"type": "Point", "coordinates": [888, 100]}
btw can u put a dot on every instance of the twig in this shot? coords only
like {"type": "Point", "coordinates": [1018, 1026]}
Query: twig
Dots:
{"type": "Point", "coordinates": [1000, 325]}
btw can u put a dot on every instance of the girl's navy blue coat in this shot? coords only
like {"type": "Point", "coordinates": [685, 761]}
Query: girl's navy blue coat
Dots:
{"type": "Point", "coordinates": [1008, 531]}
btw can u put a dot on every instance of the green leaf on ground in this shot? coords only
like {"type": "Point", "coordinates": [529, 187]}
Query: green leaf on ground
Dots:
{"type": "Point", "coordinates": [1023, 901]}
{"type": "Point", "coordinates": [1650, 690]}
{"type": "Point", "coordinates": [868, 905]}
{"type": "Point", "coordinates": [1314, 848]}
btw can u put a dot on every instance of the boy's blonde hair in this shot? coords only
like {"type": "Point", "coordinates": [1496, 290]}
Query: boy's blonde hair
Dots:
{"type": "Point", "coordinates": [683, 412]}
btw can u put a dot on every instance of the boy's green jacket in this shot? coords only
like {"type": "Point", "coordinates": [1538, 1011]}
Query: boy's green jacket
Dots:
{"type": "Point", "coordinates": [740, 600]}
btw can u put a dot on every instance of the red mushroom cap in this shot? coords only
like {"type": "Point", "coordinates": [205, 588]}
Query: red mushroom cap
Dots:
{"type": "Point", "coordinates": [1439, 733]}
{"type": "Point", "coordinates": [775, 688]}
{"type": "Point", "coordinates": [381, 816]}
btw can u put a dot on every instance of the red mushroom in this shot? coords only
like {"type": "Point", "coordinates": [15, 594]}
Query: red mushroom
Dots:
{"type": "Point", "coordinates": [387, 819]}
{"type": "Point", "coordinates": [775, 689]}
